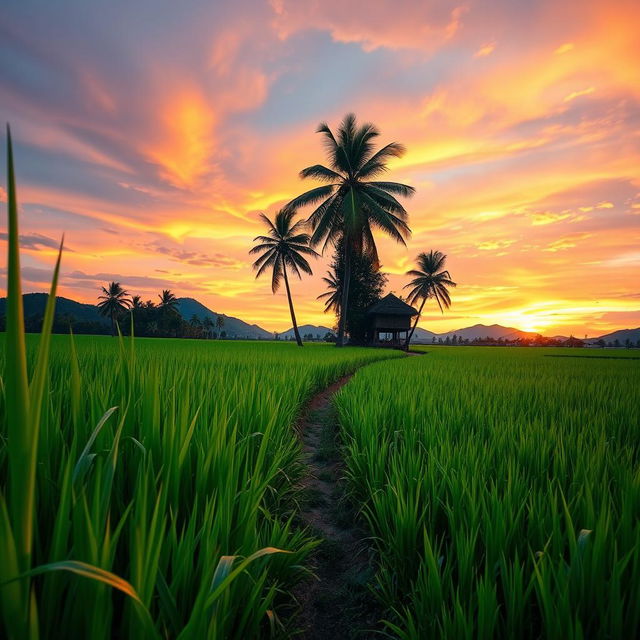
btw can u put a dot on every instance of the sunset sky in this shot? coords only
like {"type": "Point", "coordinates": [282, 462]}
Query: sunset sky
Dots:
{"type": "Point", "coordinates": [152, 133]}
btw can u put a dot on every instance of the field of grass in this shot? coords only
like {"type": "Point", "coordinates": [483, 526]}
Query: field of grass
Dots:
{"type": "Point", "coordinates": [159, 461]}
{"type": "Point", "coordinates": [502, 488]}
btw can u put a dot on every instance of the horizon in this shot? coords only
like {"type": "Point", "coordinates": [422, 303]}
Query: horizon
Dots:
{"type": "Point", "coordinates": [154, 146]}
{"type": "Point", "coordinates": [332, 325]}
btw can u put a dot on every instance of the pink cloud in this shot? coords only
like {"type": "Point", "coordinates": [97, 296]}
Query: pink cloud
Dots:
{"type": "Point", "coordinates": [417, 24]}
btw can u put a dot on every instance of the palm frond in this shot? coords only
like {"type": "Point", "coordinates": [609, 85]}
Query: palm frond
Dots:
{"type": "Point", "coordinates": [377, 163]}
{"type": "Point", "coordinates": [276, 275]}
{"type": "Point", "coordinates": [403, 190]}
{"type": "Point", "coordinates": [311, 197]}
{"type": "Point", "coordinates": [322, 173]}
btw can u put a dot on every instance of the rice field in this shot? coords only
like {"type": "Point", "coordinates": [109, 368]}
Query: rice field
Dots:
{"type": "Point", "coordinates": [166, 463]}
{"type": "Point", "coordinates": [151, 488]}
{"type": "Point", "coordinates": [502, 489]}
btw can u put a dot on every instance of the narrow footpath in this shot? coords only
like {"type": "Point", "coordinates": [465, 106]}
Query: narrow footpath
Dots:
{"type": "Point", "coordinates": [336, 604]}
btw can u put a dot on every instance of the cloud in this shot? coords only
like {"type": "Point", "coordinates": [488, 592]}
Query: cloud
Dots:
{"type": "Point", "coordinates": [198, 259]}
{"type": "Point", "coordinates": [145, 283]}
{"type": "Point", "coordinates": [492, 245]}
{"type": "Point", "coordinates": [421, 24]}
{"type": "Point", "coordinates": [564, 48]}
{"type": "Point", "coordinates": [485, 50]}
{"type": "Point", "coordinates": [35, 241]}
{"type": "Point", "coordinates": [578, 94]}
{"type": "Point", "coordinates": [547, 217]}
{"type": "Point", "coordinates": [568, 242]}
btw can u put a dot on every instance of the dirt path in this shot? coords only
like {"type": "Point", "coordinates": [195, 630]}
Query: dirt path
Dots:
{"type": "Point", "coordinates": [337, 604]}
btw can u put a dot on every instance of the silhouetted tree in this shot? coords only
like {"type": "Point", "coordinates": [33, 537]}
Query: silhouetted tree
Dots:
{"type": "Point", "coordinates": [353, 202]}
{"type": "Point", "coordinates": [208, 326]}
{"type": "Point", "coordinates": [333, 295]}
{"type": "Point", "coordinates": [431, 280]}
{"type": "Point", "coordinates": [285, 245]}
{"type": "Point", "coordinates": [168, 301]}
{"type": "Point", "coordinates": [366, 288]}
{"type": "Point", "coordinates": [113, 303]}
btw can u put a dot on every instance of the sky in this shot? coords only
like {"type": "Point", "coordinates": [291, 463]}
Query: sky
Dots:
{"type": "Point", "coordinates": [153, 133]}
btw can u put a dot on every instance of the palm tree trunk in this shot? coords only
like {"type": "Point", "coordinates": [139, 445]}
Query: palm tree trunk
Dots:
{"type": "Point", "coordinates": [415, 324]}
{"type": "Point", "coordinates": [342, 324]}
{"type": "Point", "coordinates": [113, 326]}
{"type": "Point", "coordinates": [293, 315]}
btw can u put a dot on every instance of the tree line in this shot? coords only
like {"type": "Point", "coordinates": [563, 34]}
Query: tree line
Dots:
{"type": "Point", "coordinates": [150, 319]}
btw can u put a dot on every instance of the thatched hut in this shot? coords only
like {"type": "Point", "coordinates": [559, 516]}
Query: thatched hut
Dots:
{"type": "Point", "coordinates": [389, 322]}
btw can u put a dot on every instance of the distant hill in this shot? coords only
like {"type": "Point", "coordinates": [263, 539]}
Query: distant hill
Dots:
{"type": "Point", "coordinates": [233, 327]}
{"type": "Point", "coordinates": [622, 335]}
{"type": "Point", "coordinates": [34, 304]}
{"type": "Point", "coordinates": [318, 332]}
{"type": "Point", "coordinates": [423, 336]}
{"type": "Point", "coordinates": [494, 331]}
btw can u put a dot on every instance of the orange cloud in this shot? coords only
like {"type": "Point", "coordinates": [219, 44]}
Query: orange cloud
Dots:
{"type": "Point", "coordinates": [485, 50]}
{"type": "Point", "coordinates": [186, 139]}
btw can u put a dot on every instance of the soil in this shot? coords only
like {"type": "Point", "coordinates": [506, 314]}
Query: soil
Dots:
{"type": "Point", "coordinates": [337, 602]}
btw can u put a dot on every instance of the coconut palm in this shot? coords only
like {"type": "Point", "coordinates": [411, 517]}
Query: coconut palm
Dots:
{"type": "Point", "coordinates": [136, 303]}
{"type": "Point", "coordinates": [168, 301]}
{"type": "Point", "coordinates": [285, 245]}
{"type": "Point", "coordinates": [208, 325]}
{"type": "Point", "coordinates": [353, 202]}
{"type": "Point", "coordinates": [333, 294]}
{"type": "Point", "coordinates": [431, 280]}
{"type": "Point", "coordinates": [219, 323]}
{"type": "Point", "coordinates": [113, 302]}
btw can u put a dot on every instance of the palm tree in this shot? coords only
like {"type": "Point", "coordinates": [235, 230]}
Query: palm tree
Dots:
{"type": "Point", "coordinates": [208, 325]}
{"type": "Point", "coordinates": [113, 302]}
{"type": "Point", "coordinates": [333, 294]}
{"type": "Point", "coordinates": [168, 301]}
{"type": "Point", "coordinates": [353, 202]}
{"type": "Point", "coordinates": [136, 304]}
{"type": "Point", "coordinates": [431, 280]}
{"type": "Point", "coordinates": [219, 323]}
{"type": "Point", "coordinates": [282, 247]}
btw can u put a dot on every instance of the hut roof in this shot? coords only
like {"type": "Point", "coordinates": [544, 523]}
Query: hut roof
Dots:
{"type": "Point", "coordinates": [391, 305]}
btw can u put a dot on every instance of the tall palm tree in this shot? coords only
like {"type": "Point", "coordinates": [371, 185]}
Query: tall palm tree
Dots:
{"type": "Point", "coordinates": [431, 280]}
{"type": "Point", "coordinates": [333, 294]}
{"type": "Point", "coordinates": [352, 202]}
{"type": "Point", "coordinates": [113, 302]}
{"type": "Point", "coordinates": [168, 301]}
{"type": "Point", "coordinates": [284, 246]}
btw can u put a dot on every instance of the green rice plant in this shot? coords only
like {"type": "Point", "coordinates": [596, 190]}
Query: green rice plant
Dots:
{"type": "Point", "coordinates": [502, 489]}
{"type": "Point", "coordinates": [24, 400]}
{"type": "Point", "coordinates": [165, 470]}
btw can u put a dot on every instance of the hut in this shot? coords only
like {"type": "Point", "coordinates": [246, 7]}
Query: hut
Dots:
{"type": "Point", "coordinates": [389, 322]}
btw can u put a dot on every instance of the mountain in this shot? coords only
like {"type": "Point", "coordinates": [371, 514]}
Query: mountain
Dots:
{"type": "Point", "coordinates": [318, 332]}
{"type": "Point", "coordinates": [34, 305]}
{"type": "Point", "coordinates": [422, 336]}
{"type": "Point", "coordinates": [234, 327]}
{"type": "Point", "coordinates": [494, 331]}
{"type": "Point", "coordinates": [622, 335]}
